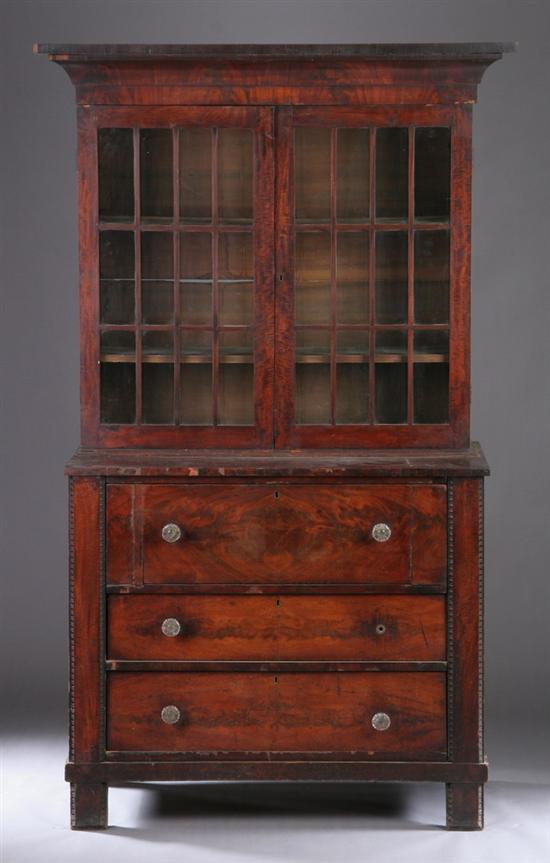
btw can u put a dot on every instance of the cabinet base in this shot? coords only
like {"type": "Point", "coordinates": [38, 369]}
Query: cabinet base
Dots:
{"type": "Point", "coordinates": [89, 782]}
{"type": "Point", "coordinates": [89, 805]}
{"type": "Point", "coordinates": [464, 806]}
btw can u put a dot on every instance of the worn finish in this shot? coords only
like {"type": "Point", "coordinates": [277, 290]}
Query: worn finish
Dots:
{"type": "Point", "coordinates": [333, 464]}
{"type": "Point", "coordinates": [277, 628]}
{"type": "Point", "coordinates": [276, 601]}
{"type": "Point", "coordinates": [301, 712]}
{"type": "Point", "coordinates": [243, 534]}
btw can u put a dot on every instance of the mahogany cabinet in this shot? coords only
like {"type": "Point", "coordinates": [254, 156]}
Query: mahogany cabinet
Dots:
{"type": "Point", "coordinates": [276, 513]}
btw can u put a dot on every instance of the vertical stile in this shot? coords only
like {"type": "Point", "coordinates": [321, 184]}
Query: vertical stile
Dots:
{"type": "Point", "coordinates": [333, 143]}
{"type": "Point", "coordinates": [410, 281]}
{"type": "Point", "coordinates": [372, 236]}
{"type": "Point", "coordinates": [215, 298]}
{"type": "Point", "coordinates": [137, 271]}
{"type": "Point", "coordinates": [176, 253]}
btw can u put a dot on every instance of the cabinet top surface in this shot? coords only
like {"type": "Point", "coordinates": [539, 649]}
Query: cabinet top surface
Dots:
{"type": "Point", "coordinates": [270, 463]}
{"type": "Point", "coordinates": [389, 51]}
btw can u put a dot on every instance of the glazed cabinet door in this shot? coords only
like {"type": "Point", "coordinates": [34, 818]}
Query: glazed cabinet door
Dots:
{"type": "Point", "coordinates": [177, 276]}
{"type": "Point", "coordinates": [373, 247]}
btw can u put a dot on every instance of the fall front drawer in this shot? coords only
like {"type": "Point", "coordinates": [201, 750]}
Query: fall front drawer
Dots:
{"type": "Point", "coordinates": [383, 714]}
{"type": "Point", "coordinates": [283, 627]}
{"type": "Point", "coordinates": [278, 534]}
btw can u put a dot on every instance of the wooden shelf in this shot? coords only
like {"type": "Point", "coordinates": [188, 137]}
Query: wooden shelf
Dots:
{"type": "Point", "coordinates": [194, 358]}
{"type": "Point", "coordinates": [247, 357]}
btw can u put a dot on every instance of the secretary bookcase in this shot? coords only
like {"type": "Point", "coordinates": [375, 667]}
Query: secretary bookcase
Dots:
{"type": "Point", "coordinates": [276, 552]}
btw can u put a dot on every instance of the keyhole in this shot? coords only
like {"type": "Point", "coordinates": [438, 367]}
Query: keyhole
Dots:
{"type": "Point", "coordinates": [278, 603]}
{"type": "Point", "coordinates": [276, 495]}
{"type": "Point", "coordinates": [275, 680]}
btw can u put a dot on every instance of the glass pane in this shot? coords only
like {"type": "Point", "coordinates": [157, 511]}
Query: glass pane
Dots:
{"type": "Point", "coordinates": [196, 256]}
{"type": "Point", "coordinates": [431, 376]}
{"type": "Point", "coordinates": [352, 187]}
{"type": "Point", "coordinates": [352, 278]}
{"type": "Point", "coordinates": [196, 278]}
{"type": "Point", "coordinates": [158, 393]}
{"type": "Point", "coordinates": [392, 170]}
{"type": "Point", "coordinates": [196, 394]}
{"type": "Point", "coordinates": [312, 346]}
{"type": "Point", "coordinates": [156, 346]}
{"type": "Point", "coordinates": [156, 174]}
{"type": "Point", "coordinates": [431, 277]}
{"type": "Point", "coordinates": [352, 376]}
{"type": "Point", "coordinates": [195, 175]}
{"type": "Point", "coordinates": [116, 275]}
{"type": "Point", "coordinates": [391, 376]}
{"type": "Point", "coordinates": [312, 295]}
{"type": "Point", "coordinates": [157, 277]}
{"type": "Point", "coordinates": [352, 393]}
{"type": "Point", "coordinates": [312, 174]}
{"type": "Point", "coordinates": [118, 393]}
{"type": "Point", "coordinates": [352, 346]}
{"type": "Point", "coordinates": [196, 377]}
{"type": "Point", "coordinates": [432, 174]}
{"type": "Point", "coordinates": [391, 277]}
{"type": "Point", "coordinates": [312, 393]}
{"type": "Point", "coordinates": [196, 346]}
{"type": "Point", "coordinates": [236, 347]}
{"type": "Point", "coordinates": [431, 392]}
{"type": "Point", "coordinates": [117, 346]}
{"type": "Point", "coordinates": [431, 346]}
{"type": "Point", "coordinates": [236, 394]}
{"type": "Point", "coordinates": [235, 175]}
{"type": "Point", "coordinates": [116, 175]}
{"type": "Point", "coordinates": [236, 278]}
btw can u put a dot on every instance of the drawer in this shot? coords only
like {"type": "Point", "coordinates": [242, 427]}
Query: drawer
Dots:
{"type": "Point", "coordinates": [286, 712]}
{"type": "Point", "coordinates": [276, 628]}
{"type": "Point", "coordinates": [278, 534]}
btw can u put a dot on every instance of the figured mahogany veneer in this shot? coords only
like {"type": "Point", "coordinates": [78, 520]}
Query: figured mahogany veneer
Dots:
{"type": "Point", "coordinates": [280, 535]}
{"type": "Point", "coordinates": [303, 712]}
{"type": "Point", "coordinates": [277, 628]}
{"type": "Point", "coordinates": [306, 649]}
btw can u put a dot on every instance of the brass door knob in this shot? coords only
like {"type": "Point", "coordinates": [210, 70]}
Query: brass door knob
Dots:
{"type": "Point", "coordinates": [381, 532]}
{"type": "Point", "coordinates": [171, 532]}
{"type": "Point", "coordinates": [171, 627]}
{"type": "Point", "coordinates": [381, 721]}
{"type": "Point", "coordinates": [170, 714]}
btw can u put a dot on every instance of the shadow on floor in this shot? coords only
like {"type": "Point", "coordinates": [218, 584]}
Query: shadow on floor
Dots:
{"type": "Point", "coordinates": [169, 809]}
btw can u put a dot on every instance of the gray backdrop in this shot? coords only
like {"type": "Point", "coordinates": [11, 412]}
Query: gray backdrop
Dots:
{"type": "Point", "coordinates": [510, 288]}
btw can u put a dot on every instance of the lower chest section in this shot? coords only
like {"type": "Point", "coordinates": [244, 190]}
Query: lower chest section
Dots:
{"type": "Point", "coordinates": [276, 617]}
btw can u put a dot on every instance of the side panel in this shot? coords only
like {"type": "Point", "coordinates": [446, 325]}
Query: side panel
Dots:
{"type": "Point", "coordinates": [87, 649]}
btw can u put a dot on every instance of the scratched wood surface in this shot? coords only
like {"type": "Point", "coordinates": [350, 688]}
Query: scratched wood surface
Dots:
{"type": "Point", "coordinates": [278, 712]}
{"type": "Point", "coordinates": [277, 628]}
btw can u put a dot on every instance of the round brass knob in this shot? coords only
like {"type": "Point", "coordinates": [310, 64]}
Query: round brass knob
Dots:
{"type": "Point", "coordinates": [170, 714]}
{"type": "Point", "coordinates": [381, 532]}
{"type": "Point", "coordinates": [380, 629]}
{"type": "Point", "coordinates": [171, 627]}
{"type": "Point", "coordinates": [171, 532]}
{"type": "Point", "coordinates": [381, 721]}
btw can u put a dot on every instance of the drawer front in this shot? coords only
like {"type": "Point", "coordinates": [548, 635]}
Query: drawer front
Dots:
{"type": "Point", "coordinates": [286, 534]}
{"type": "Point", "coordinates": [276, 628]}
{"type": "Point", "coordinates": [286, 712]}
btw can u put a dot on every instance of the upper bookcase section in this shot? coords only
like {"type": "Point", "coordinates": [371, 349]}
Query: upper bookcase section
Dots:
{"type": "Point", "coordinates": [413, 74]}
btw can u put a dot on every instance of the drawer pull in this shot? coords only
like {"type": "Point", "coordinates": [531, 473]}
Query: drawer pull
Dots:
{"type": "Point", "coordinates": [380, 629]}
{"type": "Point", "coordinates": [171, 532]}
{"type": "Point", "coordinates": [171, 627]}
{"type": "Point", "coordinates": [170, 714]}
{"type": "Point", "coordinates": [381, 532]}
{"type": "Point", "coordinates": [381, 721]}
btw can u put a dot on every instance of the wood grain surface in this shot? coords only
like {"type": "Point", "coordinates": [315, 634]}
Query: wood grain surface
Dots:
{"type": "Point", "coordinates": [279, 712]}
